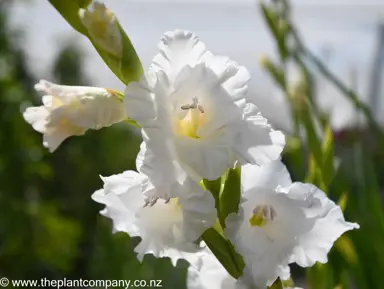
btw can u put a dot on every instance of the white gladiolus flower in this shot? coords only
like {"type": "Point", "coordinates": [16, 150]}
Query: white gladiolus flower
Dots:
{"type": "Point", "coordinates": [193, 109]}
{"type": "Point", "coordinates": [103, 27]}
{"type": "Point", "coordinates": [71, 110]}
{"type": "Point", "coordinates": [280, 223]}
{"type": "Point", "coordinates": [168, 228]}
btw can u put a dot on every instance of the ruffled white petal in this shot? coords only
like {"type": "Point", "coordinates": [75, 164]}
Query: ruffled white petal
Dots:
{"type": "Point", "coordinates": [271, 175]}
{"type": "Point", "coordinates": [67, 93]}
{"type": "Point", "coordinates": [123, 198]}
{"type": "Point", "coordinates": [258, 143]}
{"type": "Point", "coordinates": [159, 164]}
{"type": "Point", "coordinates": [205, 158]}
{"type": "Point", "coordinates": [329, 225]}
{"type": "Point", "coordinates": [139, 99]}
{"type": "Point", "coordinates": [53, 136]}
{"type": "Point", "coordinates": [208, 273]}
{"type": "Point", "coordinates": [97, 112]}
{"type": "Point", "coordinates": [234, 78]}
{"type": "Point", "coordinates": [168, 228]}
{"type": "Point", "coordinates": [37, 117]}
{"type": "Point", "coordinates": [176, 50]}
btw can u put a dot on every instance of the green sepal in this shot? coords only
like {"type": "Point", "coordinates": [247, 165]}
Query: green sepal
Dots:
{"type": "Point", "coordinates": [132, 122]}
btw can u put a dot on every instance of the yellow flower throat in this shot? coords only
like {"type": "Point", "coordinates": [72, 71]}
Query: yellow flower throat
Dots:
{"type": "Point", "coordinates": [192, 121]}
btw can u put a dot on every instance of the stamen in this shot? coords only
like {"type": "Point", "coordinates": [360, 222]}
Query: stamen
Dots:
{"type": "Point", "coordinates": [195, 104]}
{"type": "Point", "coordinates": [262, 215]}
{"type": "Point", "coordinates": [150, 202]}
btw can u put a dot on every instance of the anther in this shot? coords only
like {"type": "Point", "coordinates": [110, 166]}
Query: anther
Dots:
{"type": "Point", "coordinates": [195, 104]}
{"type": "Point", "coordinates": [150, 202]}
{"type": "Point", "coordinates": [262, 215]}
{"type": "Point", "coordinates": [186, 107]}
{"type": "Point", "coordinates": [268, 212]}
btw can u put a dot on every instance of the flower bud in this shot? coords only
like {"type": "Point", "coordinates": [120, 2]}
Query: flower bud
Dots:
{"type": "Point", "coordinates": [72, 110]}
{"type": "Point", "coordinates": [103, 28]}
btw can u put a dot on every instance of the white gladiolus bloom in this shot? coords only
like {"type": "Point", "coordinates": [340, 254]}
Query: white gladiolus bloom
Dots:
{"type": "Point", "coordinates": [168, 228]}
{"type": "Point", "coordinates": [280, 223]}
{"type": "Point", "coordinates": [194, 114]}
{"type": "Point", "coordinates": [71, 110]}
{"type": "Point", "coordinates": [103, 27]}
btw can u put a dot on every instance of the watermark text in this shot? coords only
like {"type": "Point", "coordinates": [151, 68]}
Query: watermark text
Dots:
{"type": "Point", "coordinates": [44, 283]}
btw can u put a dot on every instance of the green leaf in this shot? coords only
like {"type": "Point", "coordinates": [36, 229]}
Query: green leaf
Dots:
{"type": "Point", "coordinates": [276, 72]}
{"type": "Point", "coordinates": [84, 3]}
{"type": "Point", "coordinates": [288, 283]}
{"type": "Point", "coordinates": [69, 9]}
{"type": "Point", "coordinates": [328, 156]}
{"type": "Point", "coordinates": [278, 27]}
{"type": "Point", "coordinates": [277, 284]}
{"type": "Point", "coordinates": [320, 276]}
{"type": "Point", "coordinates": [312, 137]}
{"type": "Point", "coordinates": [230, 197]}
{"type": "Point", "coordinates": [224, 252]}
{"type": "Point", "coordinates": [131, 67]}
{"type": "Point", "coordinates": [343, 200]}
{"type": "Point", "coordinates": [345, 246]}
{"type": "Point", "coordinates": [215, 188]}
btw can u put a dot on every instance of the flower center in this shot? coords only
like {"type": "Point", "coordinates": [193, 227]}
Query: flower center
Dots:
{"type": "Point", "coordinates": [160, 215]}
{"type": "Point", "coordinates": [262, 215]}
{"type": "Point", "coordinates": [193, 117]}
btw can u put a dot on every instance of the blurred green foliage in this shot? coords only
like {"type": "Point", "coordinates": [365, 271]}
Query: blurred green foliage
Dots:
{"type": "Point", "coordinates": [49, 226]}
{"type": "Point", "coordinates": [347, 165]}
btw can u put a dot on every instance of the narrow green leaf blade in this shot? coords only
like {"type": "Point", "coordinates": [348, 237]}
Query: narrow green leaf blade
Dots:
{"type": "Point", "coordinates": [224, 252]}
{"type": "Point", "coordinates": [84, 3]}
{"type": "Point", "coordinates": [230, 197]}
{"type": "Point", "coordinates": [328, 156]}
{"type": "Point", "coordinates": [130, 64]}
{"type": "Point", "coordinates": [69, 9]}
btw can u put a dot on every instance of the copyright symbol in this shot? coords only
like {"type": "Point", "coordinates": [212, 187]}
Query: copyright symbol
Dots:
{"type": "Point", "coordinates": [4, 282]}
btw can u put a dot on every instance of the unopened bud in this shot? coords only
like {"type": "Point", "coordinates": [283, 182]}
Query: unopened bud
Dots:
{"type": "Point", "coordinates": [103, 28]}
